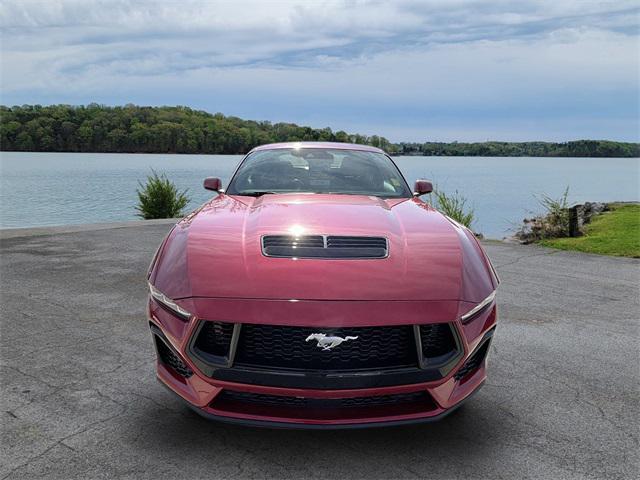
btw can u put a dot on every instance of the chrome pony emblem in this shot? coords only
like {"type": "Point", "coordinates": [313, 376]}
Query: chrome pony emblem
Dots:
{"type": "Point", "coordinates": [327, 343]}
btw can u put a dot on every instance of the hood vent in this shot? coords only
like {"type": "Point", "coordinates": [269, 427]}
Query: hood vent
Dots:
{"type": "Point", "coordinates": [324, 246]}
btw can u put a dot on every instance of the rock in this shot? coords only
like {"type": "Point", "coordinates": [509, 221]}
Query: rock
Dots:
{"type": "Point", "coordinates": [589, 210]}
{"type": "Point", "coordinates": [581, 214]}
{"type": "Point", "coordinates": [548, 226]}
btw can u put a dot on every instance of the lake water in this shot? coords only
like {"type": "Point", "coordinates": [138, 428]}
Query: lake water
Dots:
{"type": "Point", "coordinates": [39, 189]}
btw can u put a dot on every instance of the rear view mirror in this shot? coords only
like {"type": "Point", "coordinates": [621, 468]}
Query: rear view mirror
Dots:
{"type": "Point", "coordinates": [213, 183]}
{"type": "Point", "coordinates": [421, 187]}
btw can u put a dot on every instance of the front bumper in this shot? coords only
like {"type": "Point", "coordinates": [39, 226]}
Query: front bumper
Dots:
{"type": "Point", "coordinates": [262, 423]}
{"type": "Point", "coordinates": [378, 404]}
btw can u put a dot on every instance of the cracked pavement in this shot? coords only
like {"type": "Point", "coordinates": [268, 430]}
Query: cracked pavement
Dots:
{"type": "Point", "coordinates": [80, 399]}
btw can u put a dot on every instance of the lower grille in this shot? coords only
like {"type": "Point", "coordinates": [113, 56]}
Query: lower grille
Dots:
{"type": "Point", "coordinates": [170, 359]}
{"type": "Point", "coordinates": [285, 347]}
{"type": "Point", "coordinates": [474, 362]}
{"type": "Point", "coordinates": [382, 400]}
{"type": "Point", "coordinates": [259, 399]}
{"type": "Point", "coordinates": [229, 397]}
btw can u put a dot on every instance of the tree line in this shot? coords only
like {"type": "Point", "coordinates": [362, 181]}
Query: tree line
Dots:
{"type": "Point", "coordinates": [577, 148]}
{"type": "Point", "coordinates": [136, 129]}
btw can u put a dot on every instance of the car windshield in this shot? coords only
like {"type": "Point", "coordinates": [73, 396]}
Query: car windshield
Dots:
{"type": "Point", "coordinates": [318, 170]}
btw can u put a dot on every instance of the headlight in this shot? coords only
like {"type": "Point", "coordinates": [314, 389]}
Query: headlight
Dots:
{"type": "Point", "coordinates": [478, 308]}
{"type": "Point", "coordinates": [168, 303]}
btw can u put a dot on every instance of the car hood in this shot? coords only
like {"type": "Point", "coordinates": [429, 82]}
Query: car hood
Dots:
{"type": "Point", "coordinates": [216, 251]}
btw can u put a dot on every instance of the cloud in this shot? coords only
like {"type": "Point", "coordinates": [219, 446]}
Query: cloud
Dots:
{"type": "Point", "coordinates": [460, 69]}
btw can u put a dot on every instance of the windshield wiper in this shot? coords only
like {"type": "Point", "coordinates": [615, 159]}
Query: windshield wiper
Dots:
{"type": "Point", "coordinates": [257, 193]}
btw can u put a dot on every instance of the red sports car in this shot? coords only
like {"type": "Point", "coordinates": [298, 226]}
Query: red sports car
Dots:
{"type": "Point", "coordinates": [319, 291]}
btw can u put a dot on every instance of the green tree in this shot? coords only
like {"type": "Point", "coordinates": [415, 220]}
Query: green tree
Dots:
{"type": "Point", "coordinates": [160, 198]}
{"type": "Point", "coordinates": [131, 128]}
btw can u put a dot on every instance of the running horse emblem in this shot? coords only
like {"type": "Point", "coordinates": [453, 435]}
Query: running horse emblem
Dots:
{"type": "Point", "coordinates": [328, 342]}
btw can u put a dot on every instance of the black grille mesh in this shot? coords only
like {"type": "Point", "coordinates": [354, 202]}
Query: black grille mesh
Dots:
{"type": "Point", "coordinates": [437, 340]}
{"type": "Point", "coordinates": [280, 347]}
{"type": "Point", "coordinates": [381, 400]}
{"type": "Point", "coordinates": [474, 362]}
{"type": "Point", "coordinates": [171, 360]}
{"type": "Point", "coordinates": [259, 399]}
{"type": "Point", "coordinates": [275, 347]}
{"type": "Point", "coordinates": [215, 338]}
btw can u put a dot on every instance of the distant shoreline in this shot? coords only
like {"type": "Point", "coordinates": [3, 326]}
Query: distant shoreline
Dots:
{"type": "Point", "coordinates": [244, 153]}
{"type": "Point", "coordinates": [137, 129]}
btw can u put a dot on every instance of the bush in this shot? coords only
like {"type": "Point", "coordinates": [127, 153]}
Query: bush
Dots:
{"type": "Point", "coordinates": [454, 206]}
{"type": "Point", "coordinates": [553, 223]}
{"type": "Point", "coordinates": [160, 198]}
{"type": "Point", "coordinates": [556, 218]}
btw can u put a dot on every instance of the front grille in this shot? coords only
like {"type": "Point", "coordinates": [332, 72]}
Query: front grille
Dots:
{"type": "Point", "coordinates": [169, 358]}
{"type": "Point", "coordinates": [437, 340]}
{"type": "Point", "coordinates": [324, 246]}
{"type": "Point", "coordinates": [214, 338]}
{"type": "Point", "coordinates": [227, 397]}
{"type": "Point", "coordinates": [474, 362]}
{"type": "Point", "coordinates": [284, 347]}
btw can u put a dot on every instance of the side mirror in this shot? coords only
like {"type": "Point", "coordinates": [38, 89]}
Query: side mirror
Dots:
{"type": "Point", "coordinates": [213, 183]}
{"type": "Point", "coordinates": [421, 187]}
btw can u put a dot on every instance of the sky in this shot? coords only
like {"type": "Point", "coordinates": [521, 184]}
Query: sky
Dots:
{"type": "Point", "coordinates": [408, 70]}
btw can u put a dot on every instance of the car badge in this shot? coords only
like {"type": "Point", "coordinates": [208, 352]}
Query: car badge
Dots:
{"type": "Point", "coordinates": [328, 342]}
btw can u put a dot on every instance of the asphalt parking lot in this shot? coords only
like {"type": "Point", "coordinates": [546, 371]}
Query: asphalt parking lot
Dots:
{"type": "Point", "coordinates": [80, 399]}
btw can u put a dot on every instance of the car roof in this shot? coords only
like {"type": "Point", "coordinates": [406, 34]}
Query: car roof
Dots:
{"type": "Point", "coordinates": [331, 145]}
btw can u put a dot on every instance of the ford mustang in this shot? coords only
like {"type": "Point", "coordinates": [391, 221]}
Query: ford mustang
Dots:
{"type": "Point", "coordinates": [319, 291]}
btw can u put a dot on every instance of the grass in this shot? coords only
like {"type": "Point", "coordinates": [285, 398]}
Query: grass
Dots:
{"type": "Point", "coordinates": [616, 232]}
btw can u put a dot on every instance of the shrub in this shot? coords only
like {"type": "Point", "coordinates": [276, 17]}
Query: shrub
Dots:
{"type": "Point", "coordinates": [454, 206]}
{"type": "Point", "coordinates": [160, 198]}
{"type": "Point", "coordinates": [556, 218]}
{"type": "Point", "coordinates": [553, 223]}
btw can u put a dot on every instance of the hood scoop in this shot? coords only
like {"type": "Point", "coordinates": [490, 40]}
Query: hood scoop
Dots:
{"type": "Point", "coordinates": [324, 247]}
